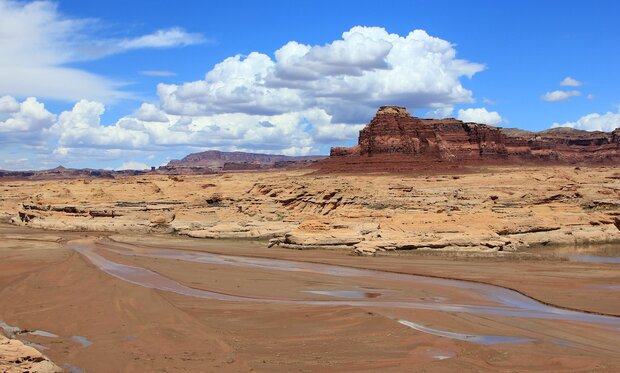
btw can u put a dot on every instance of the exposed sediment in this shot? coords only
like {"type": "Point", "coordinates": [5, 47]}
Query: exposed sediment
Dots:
{"type": "Point", "coordinates": [495, 209]}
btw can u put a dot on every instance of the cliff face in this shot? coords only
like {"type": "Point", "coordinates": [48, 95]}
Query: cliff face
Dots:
{"type": "Point", "coordinates": [394, 134]}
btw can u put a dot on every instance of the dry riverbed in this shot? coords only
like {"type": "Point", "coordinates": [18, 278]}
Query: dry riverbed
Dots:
{"type": "Point", "coordinates": [99, 303]}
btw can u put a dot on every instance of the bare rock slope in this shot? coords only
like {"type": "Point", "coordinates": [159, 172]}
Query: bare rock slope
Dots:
{"type": "Point", "coordinates": [17, 357]}
{"type": "Point", "coordinates": [497, 209]}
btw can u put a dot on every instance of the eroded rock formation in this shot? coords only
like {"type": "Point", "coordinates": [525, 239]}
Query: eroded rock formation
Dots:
{"type": "Point", "coordinates": [393, 134]}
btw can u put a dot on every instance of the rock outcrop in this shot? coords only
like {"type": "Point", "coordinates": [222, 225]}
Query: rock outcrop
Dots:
{"type": "Point", "coordinates": [497, 208]}
{"type": "Point", "coordinates": [15, 356]}
{"type": "Point", "coordinates": [393, 135]}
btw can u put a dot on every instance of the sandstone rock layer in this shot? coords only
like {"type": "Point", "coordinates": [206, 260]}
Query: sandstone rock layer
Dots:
{"type": "Point", "coordinates": [394, 140]}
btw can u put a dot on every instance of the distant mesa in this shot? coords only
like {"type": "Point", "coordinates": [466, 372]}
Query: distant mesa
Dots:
{"type": "Point", "coordinates": [208, 162]}
{"type": "Point", "coordinates": [395, 139]}
{"type": "Point", "coordinates": [215, 160]}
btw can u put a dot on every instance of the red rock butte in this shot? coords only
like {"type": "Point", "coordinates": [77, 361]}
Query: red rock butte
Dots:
{"type": "Point", "coordinates": [395, 140]}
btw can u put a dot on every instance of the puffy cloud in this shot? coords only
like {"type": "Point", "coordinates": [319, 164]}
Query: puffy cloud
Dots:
{"type": "Point", "coordinates": [440, 113]}
{"type": "Point", "coordinates": [81, 127]}
{"type": "Point", "coordinates": [132, 165]}
{"type": "Point", "coordinates": [151, 129]}
{"type": "Point", "coordinates": [8, 104]}
{"type": "Point", "coordinates": [558, 95]}
{"type": "Point", "coordinates": [349, 77]}
{"type": "Point", "coordinates": [594, 122]}
{"type": "Point", "coordinates": [480, 115]}
{"type": "Point", "coordinates": [570, 82]}
{"type": "Point", "coordinates": [38, 42]}
{"type": "Point", "coordinates": [150, 113]}
{"type": "Point", "coordinates": [296, 102]}
{"type": "Point", "coordinates": [23, 122]}
{"type": "Point", "coordinates": [355, 53]}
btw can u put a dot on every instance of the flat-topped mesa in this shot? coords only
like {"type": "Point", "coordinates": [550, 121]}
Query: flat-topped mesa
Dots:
{"type": "Point", "coordinates": [394, 132]}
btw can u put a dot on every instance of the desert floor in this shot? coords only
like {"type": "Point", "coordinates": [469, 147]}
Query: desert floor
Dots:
{"type": "Point", "coordinates": [194, 311]}
{"type": "Point", "coordinates": [159, 273]}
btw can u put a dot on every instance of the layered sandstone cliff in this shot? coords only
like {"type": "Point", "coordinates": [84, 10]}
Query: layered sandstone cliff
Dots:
{"type": "Point", "coordinates": [394, 134]}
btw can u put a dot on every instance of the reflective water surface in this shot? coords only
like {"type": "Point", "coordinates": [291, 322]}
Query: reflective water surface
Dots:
{"type": "Point", "coordinates": [505, 302]}
{"type": "Point", "coordinates": [609, 253]}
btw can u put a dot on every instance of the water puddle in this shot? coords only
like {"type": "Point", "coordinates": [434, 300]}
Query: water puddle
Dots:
{"type": "Point", "coordinates": [561, 342]}
{"type": "Point", "coordinates": [479, 339]}
{"type": "Point", "coordinates": [609, 287]}
{"type": "Point", "coordinates": [83, 341]}
{"type": "Point", "coordinates": [9, 329]}
{"type": "Point", "coordinates": [72, 369]}
{"type": "Point", "coordinates": [437, 354]}
{"type": "Point", "coordinates": [594, 259]}
{"type": "Point", "coordinates": [588, 254]}
{"type": "Point", "coordinates": [35, 345]}
{"type": "Point", "coordinates": [508, 302]}
{"type": "Point", "coordinates": [14, 330]}
{"type": "Point", "coordinates": [43, 333]}
{"type": "Point", "coordinates": [350, 294]}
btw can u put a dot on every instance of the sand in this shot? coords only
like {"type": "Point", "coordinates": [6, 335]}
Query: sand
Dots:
{"type": "Point", "coordinates": [49, 286]}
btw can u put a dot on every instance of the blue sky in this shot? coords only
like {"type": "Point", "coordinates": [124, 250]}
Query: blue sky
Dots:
{"type": "Point", "coordinates": [133, 83]}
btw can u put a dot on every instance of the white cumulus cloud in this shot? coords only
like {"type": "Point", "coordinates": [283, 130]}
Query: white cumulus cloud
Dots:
{"type": "Point", "coordinates": [81, 128]}
{"type": "Point", "coordinates": [151, 129]}
{"type": "Point", "coordinates": [132, 165]}
{"type": "Point", "coordinates": [480, 115]}
{"type": "Point", "coordinates": [23, 122]}
{"type": "Point", "coordinates": [558, 95]}
{"type": "Point", "coordinates": [298, 101]}
{"type": "Point", "coordinates": [570, 82]}
{"type": "Point", "coordinates": [349, 78]}
{"type": "Point", "coordinates": [594, 122]}
{"type": "Point", "coordinates": [150, 113]}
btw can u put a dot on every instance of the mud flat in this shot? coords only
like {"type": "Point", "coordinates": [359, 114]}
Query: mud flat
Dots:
{"type": "Point", "coordinates": [99, 303]}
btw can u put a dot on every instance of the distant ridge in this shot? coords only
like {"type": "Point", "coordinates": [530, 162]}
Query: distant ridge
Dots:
{"type": "Point", "coordinates": [219, 160]}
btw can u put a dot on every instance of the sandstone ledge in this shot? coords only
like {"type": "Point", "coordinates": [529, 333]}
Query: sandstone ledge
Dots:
{"type": "Point", "coordinates": [15, 357]}
{"type": "Point", "coordinates": [496, 209]}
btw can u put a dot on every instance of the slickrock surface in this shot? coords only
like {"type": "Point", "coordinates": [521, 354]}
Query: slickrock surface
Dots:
{"type": "Point", "coordinates": [396, 141]}
{"type": "Point", "coordinates": [499, 208]}
{"type": "Point", "coordinates": [17, 357]}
